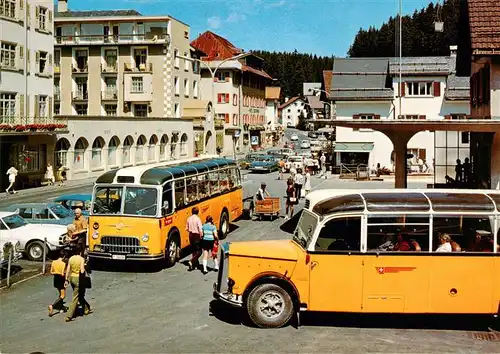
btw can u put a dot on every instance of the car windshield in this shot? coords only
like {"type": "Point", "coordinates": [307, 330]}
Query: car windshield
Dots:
{"type": "Point", "coordinates": [60, 211]}
{"type": "Point", "coordinates": [295, 159]}
{"type": "Point", "coordinates": [14, 221]}
{"type": "Point", "coordinates": [305, 229]}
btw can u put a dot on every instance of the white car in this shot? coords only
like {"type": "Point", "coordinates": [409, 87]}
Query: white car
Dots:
{"type": "Point", "coordinates": [294, 137]}
{"type": "Point", "coordinates": [294, 161]}
{"type": "Point", "coordinates": [305, 144]}
{"type": "Point", "coordinates": [14, 228]}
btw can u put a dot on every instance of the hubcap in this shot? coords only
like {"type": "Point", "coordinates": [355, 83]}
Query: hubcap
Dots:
{"type": "Point", "coordinates": [36, 251]}
{"type": "Point", "coordinates": [172, 251]}
{"type": "Point", "coordinates": [271, 304]}
{"type": "Point", "coordinates": [224, 226]}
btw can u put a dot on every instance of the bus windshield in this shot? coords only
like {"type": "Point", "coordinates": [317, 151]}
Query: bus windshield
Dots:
{"type": "Point", "coordinates": [135, 200]}
{"type": "Point", "coordinates": [305, 229]}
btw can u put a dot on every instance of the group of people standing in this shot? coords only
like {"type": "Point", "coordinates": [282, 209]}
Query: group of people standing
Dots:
{"type": "Point", "coordinates": [71, 268]}
{"type": "Point", "coordinates": [204, 239]}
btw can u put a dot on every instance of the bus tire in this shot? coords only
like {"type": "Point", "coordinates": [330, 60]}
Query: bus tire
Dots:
{"type": "Point", "coordinates": [172, 250]}
{"type": "Point", "coordinates": [223, 225]}
{"type": "Point", "coordinates": [269, 306]}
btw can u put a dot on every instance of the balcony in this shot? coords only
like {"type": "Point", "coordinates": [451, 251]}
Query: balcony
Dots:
{"type": "Point", "coordinates": [21, 125]}
{"type": "Point", "coordinates": [109, 68]}
{"type": "Point", "coordinates": [80, 95]}
{"type": "Point", "coordinates": [76, 69]}
{"type": "Point", "coordinates": [132, 67]}
{"type": "Point", "coordinates": [110, 94]}
{"type": "Point", "coordinates": [100, 39]}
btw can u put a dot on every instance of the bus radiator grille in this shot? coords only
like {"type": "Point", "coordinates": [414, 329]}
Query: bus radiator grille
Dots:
{"type": "Point", "coordinates": [120, 244]}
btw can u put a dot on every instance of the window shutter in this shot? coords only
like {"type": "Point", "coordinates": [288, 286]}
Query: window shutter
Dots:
{"type": "Point", "coordinates": [37, 112]}
{"type": "Point", "coordinates": [27, 61]}
{"type": "Point", "coordinates": [50, 107]}
{"type": "Point", "coordinates": [437, 89]}
{"type": "Point", "coordinates": [402, 86]}
{"type": "Point", "coordinates": [49, 15]}
{"type": "Point", "coordinates": [356, 116]}
{"type": "Point", "coordinates": [226, 116]}
{"type": "Point", "coordinates": [421, 117]}
{"type": "Point", "coordinates": [37, 12]}
{"type": "Point", "coordinates": [50, 59]}
{"type": "Point", "coordinates": [21, 105]}
{"type": "Point", "coordinates": [28, 15]}
{"type": "Point", "coordinates": [227, 98]}
{"type": "Point", "coordinates": [27, 106]}
{"type": "Point", "coordinates": [37, 59]}
{"type": "Point", "coordinates": [21, 52]}
{"type": "Point", "coordinates": [21, 4]}
{"type": "Point", "coordinates": [235, 99]}
{"type": "Point", "coordinates": [219, 98]}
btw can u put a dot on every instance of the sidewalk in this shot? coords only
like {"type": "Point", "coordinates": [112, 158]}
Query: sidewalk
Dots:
{"type": "Point", "coordinates": [46, 189]}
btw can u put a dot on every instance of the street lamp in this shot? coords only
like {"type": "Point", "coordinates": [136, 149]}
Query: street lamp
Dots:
{"type": "Point", "coordinates": [212, 74]}
{"type": "Point", "coordinates": [328, 103]}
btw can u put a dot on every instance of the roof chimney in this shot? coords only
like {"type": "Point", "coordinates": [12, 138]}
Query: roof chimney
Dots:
{"type": "Point", "coordinates": [453, 50]}
{"type": "Point", "coordinates": [62, 5]}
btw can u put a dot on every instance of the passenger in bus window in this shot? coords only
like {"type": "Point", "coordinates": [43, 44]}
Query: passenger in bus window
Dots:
{"type": "Point", "coordinates": [403, 243]}
{"type": "Point", "coordinates": [483, 242]}
{"type": "Point", "coordinates": [191, 191]}
{"type": "Point", "coordinates": [445, 243]}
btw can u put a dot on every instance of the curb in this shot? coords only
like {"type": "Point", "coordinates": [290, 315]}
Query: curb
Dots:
{"type": "Point", "coordinates": [41, 191]}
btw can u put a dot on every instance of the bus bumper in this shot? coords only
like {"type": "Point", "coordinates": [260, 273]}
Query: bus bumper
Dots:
{"type": "Point", "coordinates": [126, 257]}
{"type": "Point", "coordinates": [230, 299]}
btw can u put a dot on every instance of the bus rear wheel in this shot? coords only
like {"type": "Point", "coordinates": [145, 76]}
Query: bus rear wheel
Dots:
{"type": "Point", "coordinates": [172, 250]}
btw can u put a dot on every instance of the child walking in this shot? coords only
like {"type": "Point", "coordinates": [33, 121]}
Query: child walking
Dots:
{"type": "Point", "coordinates": [208, 241]}
{"type": "Point", "coordinates": [58, 270]}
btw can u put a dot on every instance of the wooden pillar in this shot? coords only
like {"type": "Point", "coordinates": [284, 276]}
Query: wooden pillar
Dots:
{"type": "Point", "coordinates": [400, 142]}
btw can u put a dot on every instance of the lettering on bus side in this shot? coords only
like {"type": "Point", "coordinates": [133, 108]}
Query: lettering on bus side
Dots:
{"type": "Point", "coordinates": [167, 221]}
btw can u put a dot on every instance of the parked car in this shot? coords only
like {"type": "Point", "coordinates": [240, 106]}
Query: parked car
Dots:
{"type": "Point", "coordinates": [294, 137]}
{"type": "Point", "coordinates": [305, 144]}
{"type": "Point", "coordinates": [247, 161]}
{"type": "Point", "coordinates": [30, 236]}
{"type": "Point", "coordinates": [312, 135]}
{"type": "Point", "coordinates": [294, 161]}
{"type": "Point", "coordinates": [74, 201]}
{"type": "Point", "coordinates": [265, 163]}
{"type": "Point", "coordinates": [43, 213]}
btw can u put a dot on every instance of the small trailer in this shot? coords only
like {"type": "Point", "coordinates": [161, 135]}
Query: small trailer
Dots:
{"type": "Point", "coordinates": [270, 206]}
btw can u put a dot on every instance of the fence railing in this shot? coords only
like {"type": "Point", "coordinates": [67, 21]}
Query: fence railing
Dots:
{"type": "Point", "coordinates": [14, 121]}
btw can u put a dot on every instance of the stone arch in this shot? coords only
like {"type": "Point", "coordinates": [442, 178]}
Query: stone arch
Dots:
{"type": "Point", "coordinates": [184, 144]}
{"type": "Point", "coordinates": [113, 146]}
{"type": "Point", "coordinates": [139, 152]}
{"type": "Point", "coordinates": [61, 152]}
{"type": "Point", "coordinates": [163, 147]}
{"type": "Point", "coordinates": [80, 152]}
{"type": "Point", "coordinates": [127, 149]}
{"type": "Point", "coordinates": [97, 146]}
{"type": "Point", "coordinates": [153, 142]}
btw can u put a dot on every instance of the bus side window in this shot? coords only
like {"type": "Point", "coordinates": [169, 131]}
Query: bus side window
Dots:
{"type": "Point", "coordinates": [214, 182]}
{"type": "Point", "coordinates": [192, 190]}
{"type": "Point", "coordinates": [468, 233]}
{"type": "Point", "coordinates": [203, 186]}
{"type": "Point", "coordinates": [166, 199]}
{"type": "Point", "coordinates": [224, 180]}
{"type": "Point", "coordinates": [180, 193]}
{"type": "Point", "coordinates": [340, 234]}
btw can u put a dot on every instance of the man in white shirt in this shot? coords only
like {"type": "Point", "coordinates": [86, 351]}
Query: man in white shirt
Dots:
{"type": "Point", "coordinates": [12, 173]}
{"type": "Point", "coordinates": [323, 165]}
{"type": "Point", "coordinates": [262, 192]}
{"type": "Point", "coordinates": [298, 181]}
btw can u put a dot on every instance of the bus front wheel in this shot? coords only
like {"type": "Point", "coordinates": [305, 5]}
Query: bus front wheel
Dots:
{"type": "Point", "coordinates": [269, 306]}
{"type": "Point", "coordinates": [224, 225]}
{"type": "Point", "coordinates": [172, 250]}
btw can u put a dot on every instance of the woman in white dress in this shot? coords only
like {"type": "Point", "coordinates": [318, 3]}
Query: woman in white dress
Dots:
{"type": "Point", "coordinates": [49, 174]}
{"type": "Point", "coordinates": [307, 182]}
{"type": "Point", "coordinates": [12, 173]}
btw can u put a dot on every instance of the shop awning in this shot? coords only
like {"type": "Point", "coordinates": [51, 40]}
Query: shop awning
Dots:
{"type": "Point", "coordinates": [194, 108]}
{"type": "Point", "coordinates": [353, 147]}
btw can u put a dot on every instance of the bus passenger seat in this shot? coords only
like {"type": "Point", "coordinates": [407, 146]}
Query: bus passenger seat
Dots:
{"type": "Point", "coordinates": [455, 247]}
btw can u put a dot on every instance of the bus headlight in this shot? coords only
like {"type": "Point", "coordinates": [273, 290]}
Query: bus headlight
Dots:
{"type": "Point", "coordinates": [95, 235]}
{"type": "Point", "coordinates": [145, 238]}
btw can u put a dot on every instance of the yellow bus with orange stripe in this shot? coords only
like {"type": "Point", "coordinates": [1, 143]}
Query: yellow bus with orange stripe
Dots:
{"type": "Point", "coordinates": [140, 213]}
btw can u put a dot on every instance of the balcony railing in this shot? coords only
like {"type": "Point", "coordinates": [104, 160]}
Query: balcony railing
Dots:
{"type": "Point", "coordinates": [57, 95]}
{"type": "Point", "coordinates": [133, 67]}
{"type": "Point", "coordinates": [80, 70]}
{"type": "Point", "coordinates": [26, 124]}
{"type": "Point", "coordinates": [110, 94]}
{"type": "Point", "coordinates": [80, 95]}
{"type": "Point", "coordinates": [108, 68]}
{"type": "Point", "coordinates": [99, 39]}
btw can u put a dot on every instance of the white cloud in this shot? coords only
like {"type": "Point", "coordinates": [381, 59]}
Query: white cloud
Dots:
{"type": "Point", "coordinates": [214, 22]}
{"type": "Point", "coordinates": [277, 4]}
{"type": "Point", "coordinates": [235, 17]}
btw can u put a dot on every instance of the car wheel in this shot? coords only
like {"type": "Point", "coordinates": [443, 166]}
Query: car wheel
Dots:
{"type": "Point", "coordinates": [223, 225]}
{"type": "Point", "coordinates": [172, 250]}
{"type": "Point", "coordinates": [34, 251]}
{"type": "Point", "coordinates": [269, 306]}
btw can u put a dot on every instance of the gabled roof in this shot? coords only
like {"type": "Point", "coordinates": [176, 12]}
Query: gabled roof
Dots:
{"type": "Point", "coordinates": [360, 78]}
{"type": "Point", "coordinates": [289, 102]}
{"type": "Point", "coordinates": [420, 66]}
{"type": "Point", "coordinates": [457, 88]}
{"type": "Point", "coordinates": [101, 13]}
{"type": "Point", "coordinates": [273, 92]}
{"type": "Point", "coordinates": [315, 102]}
{"type": "Point", "coordinates": [484, 23]}
{"type": "Point", "coordinates": [215, 47]}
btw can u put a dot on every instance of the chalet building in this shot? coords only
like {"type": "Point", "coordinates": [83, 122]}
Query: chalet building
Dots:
{"type": "Point", "coordinates": [238, 91]}
{"type": "Point", "coordinates": [479, 60]}
{"type": "Point", "coordinates": [291, 110]}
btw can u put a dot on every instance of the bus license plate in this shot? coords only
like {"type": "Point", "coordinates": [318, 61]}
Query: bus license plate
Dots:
{"type": "Point", "coordinates": [118, 256]}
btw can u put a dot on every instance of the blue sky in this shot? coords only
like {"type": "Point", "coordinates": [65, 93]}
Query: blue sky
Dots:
{"type": "Point", "coordinates": [322, 27]}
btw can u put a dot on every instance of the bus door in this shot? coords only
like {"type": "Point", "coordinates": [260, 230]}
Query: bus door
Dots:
{"type": "Point", "coordinates": [397, 264]}
{"type": "Point", "coordinates": [336, 271]}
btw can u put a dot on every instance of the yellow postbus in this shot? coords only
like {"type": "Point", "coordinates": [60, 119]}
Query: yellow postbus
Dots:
{"type": "Point", "coordinates": [139, 213]}
{"type": "Point", "coordinates": [373, 251]}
